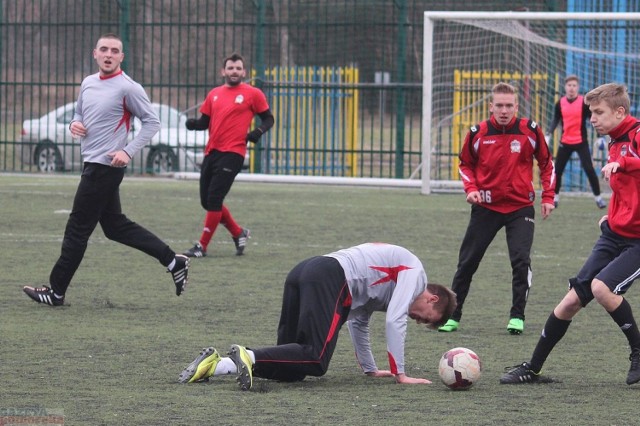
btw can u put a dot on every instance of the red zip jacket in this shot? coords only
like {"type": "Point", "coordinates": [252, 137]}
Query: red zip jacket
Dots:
{"type": "Point", "coordinates": [497, 161]}
{"type": "Point", "coordinates": [624, 207]}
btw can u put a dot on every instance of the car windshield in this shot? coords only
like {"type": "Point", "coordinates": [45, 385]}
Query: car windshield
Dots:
{"type": "Point", "coordinates": [169, 117]}
{"type": "Point", "coordinates": [66, 117]}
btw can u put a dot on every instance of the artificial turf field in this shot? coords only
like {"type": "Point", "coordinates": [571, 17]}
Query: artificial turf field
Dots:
{"type": "Point", "coordinates": [113, 353]}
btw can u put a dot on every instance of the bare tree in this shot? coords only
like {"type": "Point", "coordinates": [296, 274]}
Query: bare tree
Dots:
{"type": "Point", "coordinates": [281, 14]}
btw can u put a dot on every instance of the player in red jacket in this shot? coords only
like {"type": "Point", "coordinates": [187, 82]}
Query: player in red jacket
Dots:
{"type": "Point", "coordinates": [615, 259]}
{"type": "Point", "coordinates": [573, 114]}
{"type": "Point", "coordinates": [496, 165]}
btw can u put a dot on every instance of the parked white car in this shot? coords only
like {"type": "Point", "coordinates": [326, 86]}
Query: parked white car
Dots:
{"type": "Point", "coordinates": [47, 143]}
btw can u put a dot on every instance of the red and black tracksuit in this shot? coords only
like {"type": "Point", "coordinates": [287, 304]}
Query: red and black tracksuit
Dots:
{"type": "Point", "coordinates": [497, 161]}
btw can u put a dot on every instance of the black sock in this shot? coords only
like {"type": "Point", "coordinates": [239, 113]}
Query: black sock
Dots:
{"type": "Point", "coordinates": [624, 318]}
{"type": "Point", "coordinates": [552, 333]}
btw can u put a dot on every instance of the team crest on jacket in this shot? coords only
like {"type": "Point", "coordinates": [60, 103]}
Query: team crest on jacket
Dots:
{"type": "Point", "coordinates": [239, 99]}
{"type": "Point", "coordinates": [515, 147]}
{"type": "Point", "coordinates": [623, 150]}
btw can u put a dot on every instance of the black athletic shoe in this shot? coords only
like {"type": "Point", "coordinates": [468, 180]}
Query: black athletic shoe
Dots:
{"type": "Point", "coordinates": [634, 370]}
{"type": "Point", "coordinates": [519, 374]}
{"type": "Point", "coordinates": [43, 295]}
{"type": "Point", "coordinates": [196, 251]}
{"type": "Point", "coordinates": [241, 241]}
{"type": "Point", "coordinates": [180, 273]}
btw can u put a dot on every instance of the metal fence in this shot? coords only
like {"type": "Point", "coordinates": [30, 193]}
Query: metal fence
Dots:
{"type": "Point", "coordinates": [365, 126]}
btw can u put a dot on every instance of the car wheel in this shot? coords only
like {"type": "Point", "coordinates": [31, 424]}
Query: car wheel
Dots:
{"type": "Point", "coordinates": [47, 158]}
{"type": "Point", "coordinates": [162, 159]}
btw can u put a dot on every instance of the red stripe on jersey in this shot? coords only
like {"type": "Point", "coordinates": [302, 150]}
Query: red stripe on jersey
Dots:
{"type": "Point", "coordinates": [392, 364]}
{"type": "Point", "coordinates": [126, 116]}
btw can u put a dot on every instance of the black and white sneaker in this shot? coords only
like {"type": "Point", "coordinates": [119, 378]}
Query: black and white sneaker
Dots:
{"type": "Point", "coordinates": [180, 273]}
{"type": "Point", "coordinates": [634, 369]}
{"type": "Point", "coordinates": [196, 251]}
{"type": "Point", "coordinates": [241, 241]}
{"type": "Point", "coordinates": [43, 295]}
{"type": "Point", "coordinates": [519, 374]}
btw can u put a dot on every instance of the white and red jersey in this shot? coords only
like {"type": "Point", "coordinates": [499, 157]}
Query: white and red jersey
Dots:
{"type": "Point", "coordinates": [231, 110]}
{"type": "Point", "coordinates": [624, 207]}
{"type": "Point", "coordinates": [106, 107]}
{"type": "Point", "coordinates": [381, 277]}
{"type": "Point", "coordinates": [497, 161]}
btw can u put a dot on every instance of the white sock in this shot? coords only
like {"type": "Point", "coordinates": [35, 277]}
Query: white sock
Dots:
{"type": "Point", "coordinates": [598, 197]}
{"type": "Point", "coordinates": [556, 197]}
{"type": "Point", "coordinates": [172, 264]}
{"type": "Point", "coordinates": [225, 366]}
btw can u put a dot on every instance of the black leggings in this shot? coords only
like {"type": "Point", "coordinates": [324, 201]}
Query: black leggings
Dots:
{"type": "Point", "coordinates": [217, 174]}
{"type": "Point", "coordinates": [315, 305]}
{"type": "Point", "coordinates": [563, 156]}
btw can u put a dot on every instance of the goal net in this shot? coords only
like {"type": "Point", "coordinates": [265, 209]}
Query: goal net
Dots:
{"type": "Point", "coordinates": [466, 53]}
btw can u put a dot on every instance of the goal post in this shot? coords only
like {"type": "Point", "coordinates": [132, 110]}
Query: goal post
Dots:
{"type": "Point", "coordinates": [466, 53]}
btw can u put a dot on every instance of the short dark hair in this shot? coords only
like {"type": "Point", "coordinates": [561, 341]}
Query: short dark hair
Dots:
{"type": "Point", "coordinates": [446, 304]}
{"type": "Point", "coordinates": [572, 77]}
{"type": "Point", "coordinates": [110, 35]}
{"type": "Point", "coordinates": [233, 58]}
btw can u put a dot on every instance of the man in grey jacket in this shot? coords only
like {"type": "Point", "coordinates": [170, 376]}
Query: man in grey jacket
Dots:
{"type": "Point", "coordinates": [320, 295]}
{"type": "Point", "coordinates": [107, 103]}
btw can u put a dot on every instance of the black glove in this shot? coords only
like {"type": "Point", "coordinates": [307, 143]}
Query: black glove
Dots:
{"type": "Point", "coordinates": [190, 124]}
{"type": "Point", "coordinates": [254, 135]}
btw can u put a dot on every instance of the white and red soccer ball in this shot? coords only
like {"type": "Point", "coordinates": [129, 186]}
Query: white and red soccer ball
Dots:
{"type": "Point", "coordinates": [459, 368]}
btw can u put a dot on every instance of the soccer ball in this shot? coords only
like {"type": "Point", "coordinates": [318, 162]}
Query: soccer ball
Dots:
{"type": "Point", "coordinates": [459, 368]}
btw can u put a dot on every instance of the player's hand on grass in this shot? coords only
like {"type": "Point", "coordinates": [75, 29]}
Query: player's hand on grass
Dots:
{"type": "Point", "coordinates": [404, 379]}
{"type": "Point", "coordinates": [380, 373]}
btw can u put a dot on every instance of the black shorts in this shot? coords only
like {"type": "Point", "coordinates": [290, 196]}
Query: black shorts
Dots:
{"type": "Point", "coordinates": [614, 260]}
{"type": "Point", "coordinates": [217, 174]}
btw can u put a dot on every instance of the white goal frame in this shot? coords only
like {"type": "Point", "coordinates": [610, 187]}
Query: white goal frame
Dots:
{"type": "Point", "coordinates": [431, 17]}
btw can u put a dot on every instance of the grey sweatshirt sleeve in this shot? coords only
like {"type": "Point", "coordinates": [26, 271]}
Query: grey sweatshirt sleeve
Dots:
{"type": "Point", "coordinates": [139, 105]}
{"type": "Point", "coordinates": [359, 331]}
